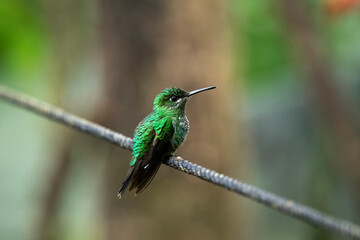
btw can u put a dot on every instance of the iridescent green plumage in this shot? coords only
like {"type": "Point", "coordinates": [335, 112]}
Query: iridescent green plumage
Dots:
{"type": "Point", "coordinates": [157, 137]}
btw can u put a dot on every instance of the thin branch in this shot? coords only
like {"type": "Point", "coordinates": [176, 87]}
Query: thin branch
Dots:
{"type": "Point", "coordinates": [280, 204]}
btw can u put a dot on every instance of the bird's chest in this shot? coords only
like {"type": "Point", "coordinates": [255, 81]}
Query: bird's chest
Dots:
{"type": "Point", "coordinates": [181, 127]}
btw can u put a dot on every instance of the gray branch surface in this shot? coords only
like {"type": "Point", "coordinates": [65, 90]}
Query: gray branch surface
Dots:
{"type": "Point", "coordinates": [280, 204]}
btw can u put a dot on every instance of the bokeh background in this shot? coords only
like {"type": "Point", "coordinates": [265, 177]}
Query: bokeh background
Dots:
{"type": "Point", "coordinates": [285, 116]}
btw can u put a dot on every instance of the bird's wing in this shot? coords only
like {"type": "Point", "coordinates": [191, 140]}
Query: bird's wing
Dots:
{"type": "Point", "coordinates": [148, 165]}
{"type": "Point", "coordinates": [163, 128]}
{"type": "Point", "coordinates": [143, 137]}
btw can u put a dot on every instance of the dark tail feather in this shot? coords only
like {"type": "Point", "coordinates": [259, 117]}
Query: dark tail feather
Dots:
{"type": "Point", "coordinates": [126, 181]}
{"type": "Point", "coordinates": [145, 168]}
{"type": "Point", "coordinates": [143, 177]}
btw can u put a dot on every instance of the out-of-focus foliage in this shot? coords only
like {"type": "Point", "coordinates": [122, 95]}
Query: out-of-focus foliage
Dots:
{"type": "Point", "coordinates": [291, 157]}
{"type": "Point", "coordinates": [22, 46]}
{"type": "Point", "coordinates": [263, 51]}
{"type": "Point", "coordinates": [23, 39]}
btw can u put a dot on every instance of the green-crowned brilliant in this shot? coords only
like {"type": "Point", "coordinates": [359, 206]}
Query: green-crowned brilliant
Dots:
{"type": "Point", "coordinates": [157, 137]}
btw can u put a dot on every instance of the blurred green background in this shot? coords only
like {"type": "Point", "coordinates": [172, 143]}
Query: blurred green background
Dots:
{"type": "Point", "coordinates": [285, 116]}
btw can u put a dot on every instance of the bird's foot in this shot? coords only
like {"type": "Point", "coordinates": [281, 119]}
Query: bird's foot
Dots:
{"type": "Point", "coordinates": [178, 157]}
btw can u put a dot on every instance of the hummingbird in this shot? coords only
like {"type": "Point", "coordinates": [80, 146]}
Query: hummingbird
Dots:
{"type": "Point", "coordinates": [158, 136]}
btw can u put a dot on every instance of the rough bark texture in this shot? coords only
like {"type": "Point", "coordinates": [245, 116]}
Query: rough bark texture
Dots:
{"type": "Point", "coordinates": [148, 46]}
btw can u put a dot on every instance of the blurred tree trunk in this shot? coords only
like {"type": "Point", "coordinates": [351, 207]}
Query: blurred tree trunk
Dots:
{"type": "Point", "coordinates": [146, 47]}
{"type": "Point", "coordinates": [65, 21]}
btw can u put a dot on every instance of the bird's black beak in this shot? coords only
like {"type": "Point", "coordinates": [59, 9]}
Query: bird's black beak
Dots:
{"type": "Point", "coordinates": [200, 90]}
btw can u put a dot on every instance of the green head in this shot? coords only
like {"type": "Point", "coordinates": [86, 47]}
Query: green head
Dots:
{"type": "Point", "coordinates": [173, 100]}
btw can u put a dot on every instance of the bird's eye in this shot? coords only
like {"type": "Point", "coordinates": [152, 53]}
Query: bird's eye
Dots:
{"type": "Point", "coordinates": [174, 98]}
